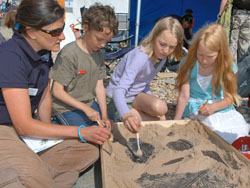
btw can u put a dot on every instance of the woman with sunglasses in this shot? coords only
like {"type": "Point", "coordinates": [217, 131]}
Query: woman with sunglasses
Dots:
{"type": "Point", "coordinates": [25, 105]}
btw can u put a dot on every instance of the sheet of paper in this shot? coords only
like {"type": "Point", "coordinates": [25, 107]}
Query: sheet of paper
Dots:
{"type": "Point", "coordinates": [38, 145]}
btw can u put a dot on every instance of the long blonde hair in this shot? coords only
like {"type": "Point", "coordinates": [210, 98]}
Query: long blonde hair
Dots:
{"type": "Point", "coordinates": [212, 36]}
{"type": "Point", "coordinates": [174, 27]}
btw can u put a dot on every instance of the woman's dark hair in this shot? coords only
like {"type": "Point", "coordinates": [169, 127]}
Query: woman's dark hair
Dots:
{"type": "Point", "coordinates": [33, 13]}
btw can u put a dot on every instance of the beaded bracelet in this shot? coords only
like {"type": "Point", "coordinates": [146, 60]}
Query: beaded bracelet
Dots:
{"type": "Point", "coordinates": [79, 133]}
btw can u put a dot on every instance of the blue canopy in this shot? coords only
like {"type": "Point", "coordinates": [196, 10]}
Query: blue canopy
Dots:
{"type": "Point", "coordinates": [204, 11]}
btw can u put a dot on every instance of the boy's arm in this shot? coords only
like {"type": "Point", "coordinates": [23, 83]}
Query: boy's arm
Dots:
{"type": "Point", "coordinates": [59, 93]}
{"type": "Point", "coordinates": [101, 99]}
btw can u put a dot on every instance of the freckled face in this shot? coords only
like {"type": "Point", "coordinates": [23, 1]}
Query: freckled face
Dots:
{"type": "Point", "coordinates": [164, 44]}
{"type": "Point", "coordinates": [96, 40]}
{"type": "Point", "coordinates": [206, 57]}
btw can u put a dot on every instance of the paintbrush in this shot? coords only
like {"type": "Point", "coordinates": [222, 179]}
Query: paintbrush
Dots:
{"type": "Point", "coordinates": [197, 115]}
{"type": "Point", "coordinates": [139, 151]}
{"type": "Point", "coordinates": [108, 140]}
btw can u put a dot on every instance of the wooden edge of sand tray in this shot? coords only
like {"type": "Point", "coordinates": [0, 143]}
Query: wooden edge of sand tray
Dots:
{"type": "Point", "coordinates": [169, 123]}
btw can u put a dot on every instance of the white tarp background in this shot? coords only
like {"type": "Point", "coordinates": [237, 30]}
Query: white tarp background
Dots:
{"type": "Point", "coordinates": [72, 17]}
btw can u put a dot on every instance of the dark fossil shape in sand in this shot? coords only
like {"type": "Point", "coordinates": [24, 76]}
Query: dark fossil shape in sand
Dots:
{"type": "Point", "coordinates": [171, 134]}
{"type": "Point", "coordinates": [173, 161]}
{"type": "Point", "coordinates": [214, 155]}
{"type": "Point", "coordinates": [231, 161]}
{"type": "Point", "coordinates": [204, 179]}
{"type": "Point", "coordinates": [180, 145]}
{"type": "Point", "coordinates": [146, 148]}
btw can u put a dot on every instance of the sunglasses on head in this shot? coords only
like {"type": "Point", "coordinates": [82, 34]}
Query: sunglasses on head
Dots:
{"type": "Point", "coordinates": [55, 32]}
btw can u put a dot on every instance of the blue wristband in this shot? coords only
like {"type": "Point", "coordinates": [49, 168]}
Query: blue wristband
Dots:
{"type": "Point", "coordinates": [79, 133]}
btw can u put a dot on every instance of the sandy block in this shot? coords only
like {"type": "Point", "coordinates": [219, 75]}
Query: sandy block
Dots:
{"type": "Point", "coordinates": [167, 74]}
{"type": "Point", "coordinates": [182, 153]}
{"type": "Point", "coordinates": [171, 81]}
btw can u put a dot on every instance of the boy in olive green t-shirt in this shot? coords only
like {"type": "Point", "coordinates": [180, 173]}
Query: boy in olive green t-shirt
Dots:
{"type": "Point", "coordinates": [79, 71]}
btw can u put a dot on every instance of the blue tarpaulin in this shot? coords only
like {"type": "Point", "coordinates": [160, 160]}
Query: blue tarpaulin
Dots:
{"type": "Point", "coordinates": [204, 11]}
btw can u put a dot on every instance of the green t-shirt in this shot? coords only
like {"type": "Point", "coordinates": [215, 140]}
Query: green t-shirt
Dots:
{"type": "Point", "coordinates": [78, 72]}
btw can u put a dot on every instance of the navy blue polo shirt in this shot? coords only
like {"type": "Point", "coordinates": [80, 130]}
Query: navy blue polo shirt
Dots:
{"type": "Point", "coordinates": [22, 67]}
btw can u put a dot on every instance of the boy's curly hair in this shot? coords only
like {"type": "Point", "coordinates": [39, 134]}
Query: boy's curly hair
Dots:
{"type": "Point", "coordinates": [99, 16]}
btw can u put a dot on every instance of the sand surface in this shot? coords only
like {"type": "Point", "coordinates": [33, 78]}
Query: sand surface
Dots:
{"type": "Point", "coordinates": [188, 155]}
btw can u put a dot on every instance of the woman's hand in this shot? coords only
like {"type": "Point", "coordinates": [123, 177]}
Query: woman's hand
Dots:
{"type": "Point", "coordinates": [131, 122]}
{"type": "Point", "coordinates": [95, 134]}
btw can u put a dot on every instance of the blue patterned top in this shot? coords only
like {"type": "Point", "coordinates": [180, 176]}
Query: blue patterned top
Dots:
{"type": "Point", "coordinates": [198, 96]}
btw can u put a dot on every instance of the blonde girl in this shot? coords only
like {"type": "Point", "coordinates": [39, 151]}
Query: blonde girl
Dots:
{"type": "Point", "coordinates": [129, 97]}
{"type": "Point", "coordinates": [207, 85]}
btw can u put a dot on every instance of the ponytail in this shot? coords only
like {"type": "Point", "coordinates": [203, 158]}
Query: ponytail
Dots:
{"type": "Point", "coordinates": [10, 19]}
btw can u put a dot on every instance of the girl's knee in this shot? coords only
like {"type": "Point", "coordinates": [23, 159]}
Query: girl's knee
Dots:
{"type": "Point", "coordinates": [160, 107]}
